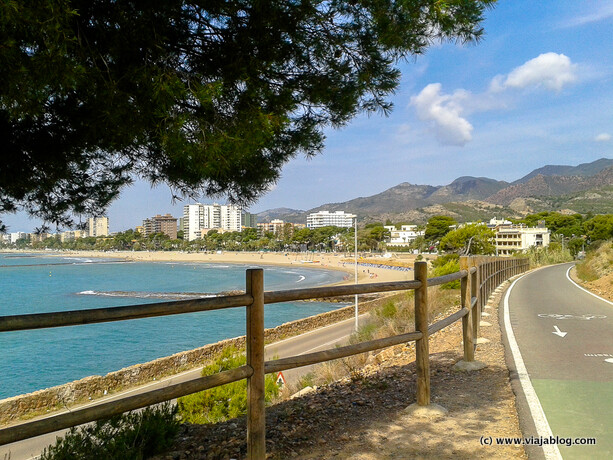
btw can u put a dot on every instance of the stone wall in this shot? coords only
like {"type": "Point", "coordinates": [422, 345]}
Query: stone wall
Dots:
{"type": "Point", "coordinates": [68, 395]}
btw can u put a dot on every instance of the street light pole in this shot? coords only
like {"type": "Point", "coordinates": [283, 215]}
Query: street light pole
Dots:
{"type": "Point", "coordinates": [355, 250]}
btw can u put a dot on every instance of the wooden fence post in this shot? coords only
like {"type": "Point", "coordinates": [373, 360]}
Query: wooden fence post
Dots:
{"type": "Point", "coordinates": [467, 327]}
{"type": "Point", "coordinates": [474, 292]}
{"type": "Point", "coordinates": [422, 349]}
{"type": "Point", "coordinates": [481, 285]}
{"type": "Point", "coordinates": [256, 419]}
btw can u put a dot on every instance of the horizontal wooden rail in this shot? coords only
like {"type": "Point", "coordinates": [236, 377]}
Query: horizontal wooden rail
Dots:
{"type": "Point", "coordinates": [80, 416]}
{"type": "Point", "coordinates": [447, 278]}
{"type": "Point", "coordinates": [335, 291]}
{"type": "Point", "coordinates": [340, 352]}
{"type": "Point", "coordinates": [102, 315]}
{"type": "Point", "coordinates": [491, 271]}
{"type": "Point", "coordinates": [448, 320]}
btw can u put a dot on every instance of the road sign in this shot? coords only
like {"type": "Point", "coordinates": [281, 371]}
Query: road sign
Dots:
{"type": "Point", "coordinates": [280, 380]}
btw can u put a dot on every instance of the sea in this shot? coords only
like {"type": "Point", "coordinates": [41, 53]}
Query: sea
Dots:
{"type": "Point", "coordinates": [39, 283]}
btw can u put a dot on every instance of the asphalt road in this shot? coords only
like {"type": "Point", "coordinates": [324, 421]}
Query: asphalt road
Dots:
{"type": "Point", "coordinates": [319, 339]}
{"type": "Point", "coordinates": [562, 366]}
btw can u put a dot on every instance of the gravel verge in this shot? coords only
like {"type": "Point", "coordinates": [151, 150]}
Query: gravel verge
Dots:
{"type": "Point", "coordinates": [364, 417]}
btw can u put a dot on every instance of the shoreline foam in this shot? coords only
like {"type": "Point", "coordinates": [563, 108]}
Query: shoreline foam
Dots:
{"type": "Point", "coordinates": [328, 261]}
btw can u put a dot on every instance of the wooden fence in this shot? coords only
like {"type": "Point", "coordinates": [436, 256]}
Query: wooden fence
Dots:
{"type": "Point", "coordinates": [478, 276]}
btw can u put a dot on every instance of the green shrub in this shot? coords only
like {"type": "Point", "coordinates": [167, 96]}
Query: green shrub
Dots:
{"type": "Point", "coordinates": [226, 401]}
{"type": "Point", "coordinates": [307, 380]}
{"type": "Point", "coordinates": [364, 333]}
{"type": "Point", "coordinates": [586, 272]}
{"type": "Point", "coordinates": [135, 435]}
{"type": "Point", "coordinates": [444, 259]}
{"type": "Point", "coordinates": [451, 266]}
{"type": "Point", "coordinates": [598, 262]}
{"type": "Point", "coordinates": [387, 310]}
{"type": "Point", "coordinates": [548, 256]}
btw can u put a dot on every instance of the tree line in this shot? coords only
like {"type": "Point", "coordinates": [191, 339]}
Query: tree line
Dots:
{"type": "Point", "coordinates": [440, 234]}
{"type": "Point", "coordinates": [370, 238]}
{"type": "Point", "coordinates": [573, 232]}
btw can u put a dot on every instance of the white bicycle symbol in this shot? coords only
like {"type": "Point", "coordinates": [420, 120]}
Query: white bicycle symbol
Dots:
{"type": "Point", "coordinates": [585, 317]}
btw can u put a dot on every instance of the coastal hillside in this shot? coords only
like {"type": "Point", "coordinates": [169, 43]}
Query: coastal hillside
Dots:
{"type": "Point", "coordinates": [584, 169]}
{"type": "Point", "coordinates": [587, 187]}
{"type": "Point", "coordinates": [541, 185]}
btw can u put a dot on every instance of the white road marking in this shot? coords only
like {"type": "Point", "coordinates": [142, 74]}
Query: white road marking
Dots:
{"type": "Point", "coordinates": [558, 332]}
{"type": "Point", "coordinates": [318, 330]}
{"type": "Point", "coordinates": [584, 317]}
{"type": "Point", "coordinates": [583, 289]}
{"type": "Point", "coordinates": [325, 344]}
{"type": "Point", "coordinates": [536, 410]}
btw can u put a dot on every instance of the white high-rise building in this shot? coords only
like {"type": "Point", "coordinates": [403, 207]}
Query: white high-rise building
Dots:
{"type": "Point", "coordinates": [327, 219]}
{"type": "Point", "coordinates": [230, 217]}
{"type": "Point", "coordinates": [199, 218]}
{"type": "Point", "coordinates": [18, 236]}
{"type": "Point", "coordinates": [98, 226]}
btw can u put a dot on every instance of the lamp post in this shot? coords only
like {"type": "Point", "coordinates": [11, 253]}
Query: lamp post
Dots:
{"type": "Point", "coordinates": [355, 250]}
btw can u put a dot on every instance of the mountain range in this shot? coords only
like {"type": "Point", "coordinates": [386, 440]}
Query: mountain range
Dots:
{"type": "Point", "coordinates": [587, 187]}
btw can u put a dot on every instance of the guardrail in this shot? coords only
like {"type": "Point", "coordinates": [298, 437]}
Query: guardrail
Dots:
{"type": "Point", "coordinates": [478, 278]}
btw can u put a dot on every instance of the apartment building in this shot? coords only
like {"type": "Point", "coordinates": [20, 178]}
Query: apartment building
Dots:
{"type": "Point", "coordinates": [248, 220]}
{"type": "Point", "coordinates": [98, 226]}
{"type": "Point", "coordinates": [514, 238]}
{"type": "Point", "coordinates": [72, 235]}
{"type": "Point", "coordinates": [327, 218]}
{"type": "Point", "coordinates": [274, 226]}
{"type": "Point", "coordinates": [17, 236]}
{"type": "Point", "coordinates": [199, 219]}
{"type": "Point", "coordinates": [405, 236]}
{"type": "Point", "coordinates": [38, 237]}
{"type": "Point", "coordinates": [165, 224]}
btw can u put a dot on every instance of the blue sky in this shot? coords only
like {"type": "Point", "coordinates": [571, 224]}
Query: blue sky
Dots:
{"type": "Point", "coordinates": [537, 90]}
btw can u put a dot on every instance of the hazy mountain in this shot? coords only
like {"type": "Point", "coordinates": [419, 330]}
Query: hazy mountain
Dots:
{"type": "Point", "coordinates": [584, 169]}
{"type": "Point", "coordinates": [277, 213]}
{"type": "Point", "coordinates": [553, 185]}
{"type": "Point", "coordinates": [469, 188]}
{"type": "Point", "coordinates": [586, 186]}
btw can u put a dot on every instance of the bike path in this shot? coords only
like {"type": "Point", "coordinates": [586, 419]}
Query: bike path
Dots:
{"type": "Point", "coordinates": [565, 337]}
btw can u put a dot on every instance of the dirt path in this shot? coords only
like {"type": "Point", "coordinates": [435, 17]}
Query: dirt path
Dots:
{"type": "Point", "coordinates": [364, 417]}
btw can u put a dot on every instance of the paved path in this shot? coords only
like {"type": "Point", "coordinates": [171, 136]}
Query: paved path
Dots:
{"type": "Point", "coordinates": [319, 339]}
{"type": "Point", "coordinates": [563, 360]}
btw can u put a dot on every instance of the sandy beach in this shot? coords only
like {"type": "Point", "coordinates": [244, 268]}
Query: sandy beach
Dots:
{"type": "Point", "coordinates": [330, 261]}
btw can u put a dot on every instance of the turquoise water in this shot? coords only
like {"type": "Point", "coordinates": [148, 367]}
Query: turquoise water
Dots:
{"type": "Point", "coordinates": [32, 360]}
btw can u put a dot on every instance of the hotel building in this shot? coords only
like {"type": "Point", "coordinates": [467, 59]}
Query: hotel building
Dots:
{"type": "Point", "coordinates": [327, 219]}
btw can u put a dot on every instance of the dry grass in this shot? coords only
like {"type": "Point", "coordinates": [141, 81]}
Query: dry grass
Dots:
{"type": "Point", "coordinates": [393, 317]}
{"type": "Point", "coordinates": [597, 264]}
{"type": "Point", "coordinates": [363, 417]}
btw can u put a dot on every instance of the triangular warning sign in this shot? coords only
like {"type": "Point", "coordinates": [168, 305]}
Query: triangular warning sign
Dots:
{"type": "Point", "coordinates": [280, 379]}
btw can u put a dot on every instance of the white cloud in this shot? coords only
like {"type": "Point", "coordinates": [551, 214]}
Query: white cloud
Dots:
{"type": "Point", "coordinates": [605, 11]}
{"type": "Point", "coordinates": [448, 112]}
{"type": "Point", "coordinates": [550, 70]}
{"type": "Point", "coordinates": [603, 137]}
{"type": "Point", "coordinates": [445, 113]}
